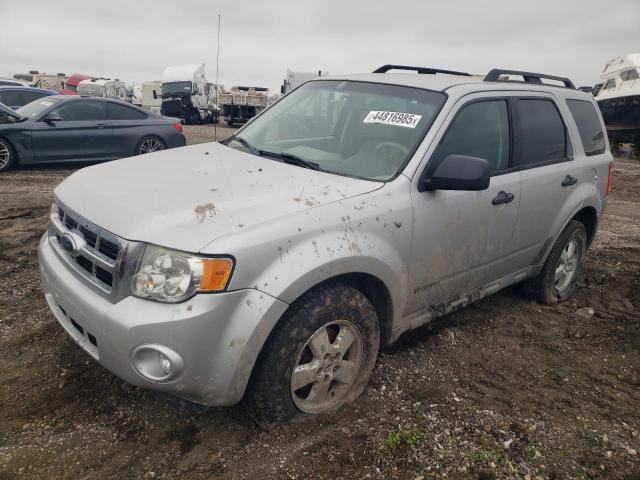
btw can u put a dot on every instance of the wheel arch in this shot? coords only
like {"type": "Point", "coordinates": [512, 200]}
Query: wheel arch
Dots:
{"type": "Point", "coordinates": [13, 149]}
{"type": "Point", "coordinates": [589, 218]}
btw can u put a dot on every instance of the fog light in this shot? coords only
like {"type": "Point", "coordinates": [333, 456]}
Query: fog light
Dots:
{"type": "Point", "coordinates": [157, 362]}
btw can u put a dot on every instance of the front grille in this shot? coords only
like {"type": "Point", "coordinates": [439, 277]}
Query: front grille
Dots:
{"type": "Point", "coordinates": [93, 253]}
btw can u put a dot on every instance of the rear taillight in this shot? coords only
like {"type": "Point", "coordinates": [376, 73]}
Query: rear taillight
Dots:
{"type": "Point", "coordinates": [179, 127]}
{"type": "Point", "coordinates": [609, 179]}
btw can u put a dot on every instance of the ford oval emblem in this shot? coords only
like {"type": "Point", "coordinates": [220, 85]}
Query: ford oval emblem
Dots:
{"type": "Point", "coordinates": [71, 243]}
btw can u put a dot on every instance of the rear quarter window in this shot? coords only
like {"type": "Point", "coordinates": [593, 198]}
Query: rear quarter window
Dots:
{"type": "Point", "coordinates": [116, 111]}
{"type": "Point", "coordinates": [589, 126]}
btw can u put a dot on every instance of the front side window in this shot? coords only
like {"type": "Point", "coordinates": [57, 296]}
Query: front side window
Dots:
{"type": "Point", "coordinates": [610, 84]}
{"type": "Point", "coordinates": [630, 74]}
{"type": "Point", "coordinates": [37, 107]}
{"type": "Point", "coordinates": [81, 110]}
{"type": "Point", "coordinates": [480, 129]}
{"type": "Point", "coordinates": [172, 88]}
{"type": "Point", "coordinates": [589, 126]}
{"type": "Point", "coordinates": [542, 135]}
{"type": "Point", "coordinates": [116, 111]}
{"type": "Point", "coordinates": [359, 129]}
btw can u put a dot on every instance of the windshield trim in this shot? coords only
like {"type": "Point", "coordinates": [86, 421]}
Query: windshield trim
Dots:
{"type": "Point", "coordinates": [408, 158]}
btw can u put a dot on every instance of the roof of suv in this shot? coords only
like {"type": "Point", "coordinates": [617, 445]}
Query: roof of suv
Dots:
{"type": "Point", "coordinates": [433, 79]}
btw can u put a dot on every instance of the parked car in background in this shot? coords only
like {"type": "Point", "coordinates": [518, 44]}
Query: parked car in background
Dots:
{"type": "Point", "coordinates": [274, 265]}
{"type": "Point", "coordinates": [71, 86]}
{"type": "Point", "coordinates": [63, 128]}
{"type": "Point", "coordinates": [16, 97]}
{"type": "Point", "coordinates": [13, 83]}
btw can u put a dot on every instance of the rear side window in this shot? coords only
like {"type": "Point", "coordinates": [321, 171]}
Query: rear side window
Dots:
{"type": "Point", "coordinates": [589, 126]}
{"type": "Point", "coordinates": [542, 136]}
{"type": "Point", "coordinates": [116, 111]}
{"type": "Point", "coordinates": [28, 97]}
{"type": "Point", "coordinates": [480, 129]}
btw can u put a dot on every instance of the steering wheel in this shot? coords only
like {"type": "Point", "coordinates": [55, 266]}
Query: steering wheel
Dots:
{"type": "Point", "coordinates": [396, 145]}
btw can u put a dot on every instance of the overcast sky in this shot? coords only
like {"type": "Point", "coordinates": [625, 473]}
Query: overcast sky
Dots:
{"type": "Point", "coordinates": [134, 40]}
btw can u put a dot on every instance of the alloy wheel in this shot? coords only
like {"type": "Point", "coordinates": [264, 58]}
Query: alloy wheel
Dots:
{"type": "Point", "coordinates": [327, 367]}
{"type": "Point", "coordinates": [5, 155]}
{"type": "Point", "coordinates": [150, 145]}
{"type": "Point", "coordinates": [567, 265]}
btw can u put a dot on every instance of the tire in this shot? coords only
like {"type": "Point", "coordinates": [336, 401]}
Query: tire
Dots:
{"type": "Point", "coordinates": [146, 145]}
{"type": "Point", "coordinates": [337, 377]}
{"type": "Point", "coordinates": [549, 286]}
{"type": "Point", "coordinates": [7, 155]}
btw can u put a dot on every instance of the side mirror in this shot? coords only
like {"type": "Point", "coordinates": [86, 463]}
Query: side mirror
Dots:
{"type": "Point", "coordinates": [53, 117]}
{"type": "Point", "coordinates": [457, 172]}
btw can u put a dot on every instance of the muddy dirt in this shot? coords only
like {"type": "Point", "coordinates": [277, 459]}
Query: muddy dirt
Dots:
{"type": "Point", "coordinates": [506, 388]}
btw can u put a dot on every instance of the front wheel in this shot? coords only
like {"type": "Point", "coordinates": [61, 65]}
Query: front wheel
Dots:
{"type": "Point", "coordinates": [150, 145]}
{"type": "Point", "coordinates": [557, 280]}
{"type": "Point", "coordinates": [319, 356]}
{"type": "Point", "coordinates": [7, 155]}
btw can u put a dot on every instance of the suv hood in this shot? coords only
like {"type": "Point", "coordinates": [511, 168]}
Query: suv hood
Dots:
{"type": "Point", "coordinates": [187, 197]}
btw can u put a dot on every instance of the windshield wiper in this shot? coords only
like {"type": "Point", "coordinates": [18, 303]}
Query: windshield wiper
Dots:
{"type": "Point", "coordinates": [291, 159]}
{"type": "Point", "coordinates": [245, 144]}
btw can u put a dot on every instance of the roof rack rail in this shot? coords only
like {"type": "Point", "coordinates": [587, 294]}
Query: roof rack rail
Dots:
{"type": "Point", "coordinates": [425, 70]}
{"type": "Point", "coordinates": [529, 77]}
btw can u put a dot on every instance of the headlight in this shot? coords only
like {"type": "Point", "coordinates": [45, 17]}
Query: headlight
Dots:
{"type": "Point", "coordinates": [171, 276]}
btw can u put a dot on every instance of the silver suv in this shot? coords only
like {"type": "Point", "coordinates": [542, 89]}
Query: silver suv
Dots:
{"type": "Point", "coordinates": [271, 267]}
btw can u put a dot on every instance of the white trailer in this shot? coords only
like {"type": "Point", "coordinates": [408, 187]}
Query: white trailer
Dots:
{"type": "Point", "coordinates": [152, 96]}
{"type": "Point", "coordinates": [103, 87]}
{"type": "Point", "coordinates": [295, 79]}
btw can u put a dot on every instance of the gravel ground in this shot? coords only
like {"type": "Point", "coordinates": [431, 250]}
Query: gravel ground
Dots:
{"type": "Point", "coordinates": [506, 388]}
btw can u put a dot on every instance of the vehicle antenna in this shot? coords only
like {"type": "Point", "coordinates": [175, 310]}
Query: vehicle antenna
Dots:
{"type": "Point", "coordinates": [217, 88]}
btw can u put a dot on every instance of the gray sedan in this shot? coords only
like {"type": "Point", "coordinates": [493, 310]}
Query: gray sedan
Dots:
{"type": "Point", "coordinates": [69, 129]}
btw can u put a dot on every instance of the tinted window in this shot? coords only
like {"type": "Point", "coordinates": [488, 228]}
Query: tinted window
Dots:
{"type": "Point", "coordinates": [28, 97]}
{"type": "Point", "coordinates": [589, 126]}
{"type": "Point", "coordinates": [610, 84]}
{"type": "Point", "coordinates": [116, 111]}
{"type": "Point", "coordinates": [481, 129]}
{"type": "Point", "coordinates": [542, 134]}
{"type": "Point", "coordinates": [81, 110]}
{"type": "Point", "coordinates": [10, 98]}
{"type": "Point", "coordinates": [629, 74]}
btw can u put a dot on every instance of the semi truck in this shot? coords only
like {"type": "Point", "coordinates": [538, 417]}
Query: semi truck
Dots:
{"type": "Point", "coordinates": [186, 94]}
{"type": "Point", "coordinates": [71, 86]}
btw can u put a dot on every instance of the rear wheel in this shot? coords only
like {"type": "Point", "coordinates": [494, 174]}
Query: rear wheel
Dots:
{"type": "Point", "coordinates": [7, 155]}
{"type": "Point", "coordinates": [150, 145]}
{"type": "Point", "coordinates": [557, 280]}
{"type": "Point", "coordinates": [319, 357]}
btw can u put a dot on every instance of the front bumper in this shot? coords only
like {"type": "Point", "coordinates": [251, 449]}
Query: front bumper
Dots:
{"type": "Point", "coordinates": [219, 336]}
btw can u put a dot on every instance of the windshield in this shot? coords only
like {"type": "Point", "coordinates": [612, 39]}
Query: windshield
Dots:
{"type": "Point", "coordinates": [171, 88]}
{"type": "Point", "coordinates": [36, 107]}
{"type": "Point", "coordinates": [365, 130]}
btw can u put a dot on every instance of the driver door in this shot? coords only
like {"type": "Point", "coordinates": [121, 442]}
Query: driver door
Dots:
{"type": "Point", "coordinates": [80, 134]}
{"type": "Point", "coordinates": [464, 239]}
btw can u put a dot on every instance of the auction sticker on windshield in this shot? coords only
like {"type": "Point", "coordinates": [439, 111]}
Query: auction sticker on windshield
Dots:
{"type": "Point", "coordinates": [397, 119]}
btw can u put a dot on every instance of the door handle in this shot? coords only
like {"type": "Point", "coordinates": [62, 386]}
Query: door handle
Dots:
{"type": "Point", "coordinates": [569, 180]}
{"type": "Point", "coordinates": [503, 197]}
{"type": "Point", "coordinates": [101, 125]}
